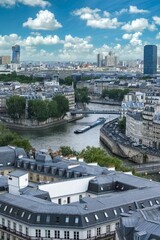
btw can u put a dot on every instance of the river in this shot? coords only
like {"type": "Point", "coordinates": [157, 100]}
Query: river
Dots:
{"type": "Point", "coordinates": [64, 135]}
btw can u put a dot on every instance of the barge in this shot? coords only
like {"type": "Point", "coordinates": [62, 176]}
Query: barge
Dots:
{"type": "Point", "coordinates": [100, 120]}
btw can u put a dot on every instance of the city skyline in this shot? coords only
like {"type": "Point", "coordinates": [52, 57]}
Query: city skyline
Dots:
{"type": "Point", "coordinates": [65, 30]}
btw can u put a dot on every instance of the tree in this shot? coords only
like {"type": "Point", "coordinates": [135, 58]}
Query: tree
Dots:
{"type": "Point", "coordinates": [82, 95]}
{"type": "Point", "coordinates": [16, 106]}
{"type": "Point", "coordinates": [93, 154]}
{"type": "Point", "coordinates": [66, 151]}
{"type": "Point", "coordinates": [37, 109]}
{"type": "Point", "coordinates": [52, 109]}
{"type": "Point", "coordinates": [8, 137]}
{"type": "Point", "coordinates": [122, 125]}
{"type": "Point", "coordinates": [115, 94]}
{"type": "Point", "coordinates": [62, 105]}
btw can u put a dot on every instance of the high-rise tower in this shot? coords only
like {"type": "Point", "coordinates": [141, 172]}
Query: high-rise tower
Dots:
{"type": "Point", "coordinates": [16, 54]}
{"type": "Point", "coordinates": [150, 59]}
{"type": "Point", "coordinates": [99, 60]}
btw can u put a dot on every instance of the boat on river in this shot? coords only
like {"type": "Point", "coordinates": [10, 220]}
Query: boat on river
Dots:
{"type": "Point", "coordinates": [100, 120]}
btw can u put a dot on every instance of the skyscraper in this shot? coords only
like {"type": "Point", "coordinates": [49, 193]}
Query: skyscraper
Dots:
{"type": "Point", "coordinates": [150, 59]}
{"type": "Point", "coordinates": [16, 54]}
{"type": "Point", "coordinates": [99, 60]}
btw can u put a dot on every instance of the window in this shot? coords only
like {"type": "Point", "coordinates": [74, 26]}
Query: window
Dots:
{"type": "Point", "coordinates": [57, 234]}
{"type": "Point", "coordinates": [142, 205]}
{"type": "Point", "coordinates": [105, 214]}
{"type": "Point", "coordinates": [108, 229]}
{"type": "Point", "coordinates": [76, 220]}
{"type": "Point", "coordinates": [157, 202]}
{"type": "Point", "coordinates": [98, 231]}
{"type": "Point", "coordinates": [151, 204]}
{"type": "Point", "coordinates": [47, 233]}
{"type": "Point", "coordinates": [88, 233]}
{"type": "Point", "coordinates": [115, 212]}
{"type": "Point", "coordinates": [96, 217]}
{"type": "Point", "coordinates": [29, 216]}
{"type": "Point", "coordinates": [48, 219]}
{"type": "Point", "coordinates": [38, 233]}
{"type": "Point", "coordinates": [14, 226]}
{"type": "Point", "coordinates": [9, 223]}
{"type": "Point", "coordinates": [57, 219]}
{"type": "Point", "coordinates": [59, 201]}
{"type": "Point", "coordinates": [20, 228]}
{"type": "Point", "coordinates": [68, 200]}
{"type": "Point", "coordinates": [27, 231]}
{"type": "Point", "coordinates": [38, 218]}
{"type": "Point", "coordinates": [67, 220]}
{"type": "Point", "coordinates": [86, 219]}
{"type": "Point", "coordinates": [11, 210]}
{"type": "Point", "coordinates": [22, 215]}
{"type": "Point", "coordinates": [5, 208]}
{"type": "Point", "coordinates": [80, 197]}
{"type": "Point", "coordinates": [122, 210]}
{"type": "Point", "coordinates": [76, 235]}
{"type": "Point", "coordinates": [3, 221]}
{"type": "Point", "coordinates": [66, 234]}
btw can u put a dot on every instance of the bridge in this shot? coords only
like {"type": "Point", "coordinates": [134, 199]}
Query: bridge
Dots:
{"type": "Point", "coordinates": [88, 111]}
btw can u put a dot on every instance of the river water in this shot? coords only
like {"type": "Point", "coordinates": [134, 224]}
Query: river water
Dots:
{"type": "Point", "coordinates": [64, 135]}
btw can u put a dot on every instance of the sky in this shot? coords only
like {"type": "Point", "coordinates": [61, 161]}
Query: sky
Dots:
{"type": "Point", "coordinates": [77, 30]}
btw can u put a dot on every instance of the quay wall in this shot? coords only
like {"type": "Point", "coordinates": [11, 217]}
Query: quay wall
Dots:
{"type": "Point", "coordinates": [126, 151]}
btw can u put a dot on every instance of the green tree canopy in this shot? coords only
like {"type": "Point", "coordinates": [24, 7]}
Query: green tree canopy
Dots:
{"type": "Point", "coordinates": [93, 154]}
{"type": "Point", "coordinates": [62, 104]}
{"type": "Point", "coordinates": [37, 109]}
{"type": "Point", "coordinates": [115, 94]}
{"type": "Point", "coordinates": [16, 106]}
{"type": "Point", "coordinates": [8, 137]}
{"type": "Point", "coordinates": [82, 95]}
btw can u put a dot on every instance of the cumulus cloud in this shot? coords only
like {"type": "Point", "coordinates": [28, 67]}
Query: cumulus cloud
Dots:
{"type": "Point", "coordinates": [131, 10]}
{"type": "Point", "coordinates": [94, 20]}
{"type": "Point", "coordinates": [138, 24]}
{"type": "Point", "coordinates": [40, 40]}
{"type": "Point", "coordinates": [134, 38]}
{"type": "Point", "coordinates": [157, 20]}
{"type": "Point", "coordinates": [32, 3]}
{"type": "Point", "coordinates": [134, 9]}
{"type": "Point", "coordinates": [45, 20]}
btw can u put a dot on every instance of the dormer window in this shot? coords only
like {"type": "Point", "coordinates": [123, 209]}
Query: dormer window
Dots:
{"type": "Point", "coordinates": [38, 218]}
{"type": "Point", "coordinates": [105, 214]}
{"type": "Point", "coordinates": [22, 215]}
{"type": "Point", "coordinates": [5, 208]}
{"type": "Point", "coordinates": [86, 219]}
{"type": "Point", "coordinates": [67, 220]}
{"type": "Point", "coordinates": [157, 202]}
{"type": "Point", "coordinates": [76, 220]}
{"type": "Point", "coordinates": [96, 217]}
{"type": "Point", "coordinates": [11, 210]}
{"type": "Point", "coordinates": [115, 212]}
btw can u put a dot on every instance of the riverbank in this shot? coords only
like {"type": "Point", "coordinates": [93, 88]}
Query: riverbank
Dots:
{"type": "Point", "coordinates": [26, 126]}
{"type": "Point", "coordinates": [121, 146]}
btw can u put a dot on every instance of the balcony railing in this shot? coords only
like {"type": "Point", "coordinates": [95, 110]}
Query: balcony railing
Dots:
{"type": "Point", "coordinates": [22, 236]}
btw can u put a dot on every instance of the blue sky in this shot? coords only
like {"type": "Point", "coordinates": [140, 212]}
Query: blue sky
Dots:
{"type": "Point", "coordinates": [77, 30]}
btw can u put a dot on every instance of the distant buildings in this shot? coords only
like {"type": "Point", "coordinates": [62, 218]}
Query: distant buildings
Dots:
{"type": "Point", "coordinates": [4, 60]}
{"type": "Point", "coordinates": [111, 60]}
{"type": "Point", "coordinates": [16, 54]}
{"type": "Point", "coordinates": [150, 59]}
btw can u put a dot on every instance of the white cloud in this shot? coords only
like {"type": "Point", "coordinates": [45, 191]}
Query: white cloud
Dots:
{"type": "Point", "coordinates": [40, 40]}
{"type": "Point", "coordinates": [134, 9]}
{"type": "Point", "coordinates": [94, 20]}
{"type": "Point", "coordinates": [45, 20]}
{"type": "Point", "coordinates": [32, 3]}
{"type": "Point", "coordinates": [157, 20]}
{"type": "Point", "coordinates": [158, 36]}
{"type": "Point", "coordinates": [134, 38]}
{"type": "Point", "coordinates": [139, 24]}
{"type": "Point", "coordinates": [131, 10]}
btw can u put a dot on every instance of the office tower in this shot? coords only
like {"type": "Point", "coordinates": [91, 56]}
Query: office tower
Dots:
{"type": "Point", "coordinates": [111, 60]}
{"type": "Point", "coordinates": [99, 60]}
{"type": "Point", "coordinates": [150, 59]}
{"type": "Point", "coordinates": [16, 54]}
{"type": "Point", "coordinates": [4, 60]}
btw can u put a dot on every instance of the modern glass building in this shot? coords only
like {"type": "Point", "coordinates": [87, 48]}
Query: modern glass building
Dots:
{"type": "Point", "coordinates": [150, 59]}
{"type": "Point", "coordinates": [16, 54]}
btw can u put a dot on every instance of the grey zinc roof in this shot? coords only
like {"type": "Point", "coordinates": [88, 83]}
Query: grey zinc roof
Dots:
{"type": "Point", "coordinates": [17, 173]}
